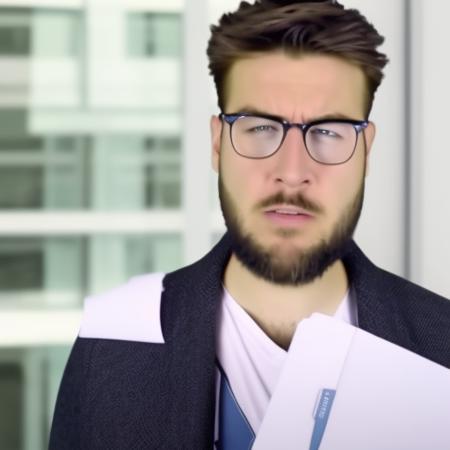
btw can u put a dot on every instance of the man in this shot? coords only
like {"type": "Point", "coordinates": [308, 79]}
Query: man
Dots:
{"type": "Point", "coordinates": [162, 361]}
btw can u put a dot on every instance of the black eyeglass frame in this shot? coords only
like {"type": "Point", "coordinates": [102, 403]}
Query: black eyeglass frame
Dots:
{"type": "Point", "coordinates": [358, 126]}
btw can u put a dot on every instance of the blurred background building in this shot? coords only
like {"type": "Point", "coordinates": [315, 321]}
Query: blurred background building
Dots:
{"type": "Point", "coordinates": [105, 167]}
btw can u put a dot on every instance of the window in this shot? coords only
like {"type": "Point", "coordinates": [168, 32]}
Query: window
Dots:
{"type": "Point", "coordinates": [154, 34]}
{"type": "Point", "coordinates": [57, 33]}
{"type": "Point", "coordinates": [79, 172]}
{"type": "Point", "coordinates": [15, 32]}
{"type": "Point", "coordinates": [11, 412]}
{"type": "Point", "coordinates": [163, 172]}
{"type": "Point", "coordinates": [21, 265]}
{"type": "Point", "coordinates": [40, 32]}
{"type": "Point", "coordinates": [58, 271]}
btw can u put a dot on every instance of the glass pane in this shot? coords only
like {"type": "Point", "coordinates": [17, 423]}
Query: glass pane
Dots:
{"type": "Point", "coordinates": [134, 172]}
{"type": "Point", "coordinates": [131, 255]}
{"type": "Point", "coordinates": [21, 187]}
{"type": "Point", "coordinates": [42, 173]}
{"type": "Point", "coordinates": [11, 406]}
{"type": "Point", "coordinates": [41, 272]}
{"type": "Point", "coordinates": [57, 33]}
{"type": "Point", "coordinates": [57, 272]}
{"type": "Point", "coordinates": [163, 172]}
{"type": "Point", "coordinates": [40, 32]}
{"type": "Point", "coordinates": [15, 32]}
{"type": "Point", "coordinates": [29, 381]}
{"type": "Point", "coordinates": [79, 172]}
{"type": "Point", "coordinates": [154, 34]}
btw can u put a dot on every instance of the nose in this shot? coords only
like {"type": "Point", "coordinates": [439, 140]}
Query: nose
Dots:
{"type": "Point", "coordinates": [293, 166]}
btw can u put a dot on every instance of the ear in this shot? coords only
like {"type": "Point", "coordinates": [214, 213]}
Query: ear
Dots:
{"type": "Point", "coordinates": [369, 137]}
{"type": "Point", "coordinates": [216, 135]}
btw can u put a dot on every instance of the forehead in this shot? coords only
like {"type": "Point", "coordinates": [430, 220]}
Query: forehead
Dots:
{"type": "Point", "coordinates": [297, 88]}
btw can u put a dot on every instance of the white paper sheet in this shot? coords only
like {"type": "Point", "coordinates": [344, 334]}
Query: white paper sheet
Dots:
{"type": "Point", "coordinates": [387, 398]}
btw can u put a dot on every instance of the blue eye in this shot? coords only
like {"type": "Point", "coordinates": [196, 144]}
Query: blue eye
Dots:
{"type": "Point", "coordinates": [324, 132]}
{"type": "Point", "coordinates": [261, 128]}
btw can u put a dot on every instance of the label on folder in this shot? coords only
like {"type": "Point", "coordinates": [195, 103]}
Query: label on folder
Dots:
{"type": "Point", "coordinates": [321, 415]}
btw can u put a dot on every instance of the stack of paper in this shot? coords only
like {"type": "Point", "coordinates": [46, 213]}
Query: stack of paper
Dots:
{"type": "Point", "coordinates": [344, 389]}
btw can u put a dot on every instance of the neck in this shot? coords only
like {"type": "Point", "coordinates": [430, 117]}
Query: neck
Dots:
{"type": "Point", "coordinates": [278, 309]}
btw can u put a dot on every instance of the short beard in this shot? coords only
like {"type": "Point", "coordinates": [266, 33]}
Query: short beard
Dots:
{"type": "Point", "coordinates": [308, 264]}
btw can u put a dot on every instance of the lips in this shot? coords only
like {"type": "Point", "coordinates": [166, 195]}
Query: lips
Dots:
{"type": "Point", "coordinates": [288, 216]}
{"type": "Point", "coordinates": [287, 211]}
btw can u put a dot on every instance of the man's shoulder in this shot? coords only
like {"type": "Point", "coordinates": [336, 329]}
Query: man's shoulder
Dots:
{"type": "Point", "coordinates": [424, 316]}
{"type": "Point", "coordinates": [133, 312]}
{"type": "Point", "coordinates": [415, 297]}
{"type": "Point", "coordinates": [392, 288]}
{"type": "Point", "coordinates": [417, 288]}
{"type": "Point", "coordinates": [128, 312]}
{"type": "Point", "coordinates": [399, 310]}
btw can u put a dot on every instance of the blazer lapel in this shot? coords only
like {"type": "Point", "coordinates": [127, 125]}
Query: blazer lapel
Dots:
{"type": "Point", "coordinates": [189, 305]}
{"type": "Point", "coordinates": [377, 308]}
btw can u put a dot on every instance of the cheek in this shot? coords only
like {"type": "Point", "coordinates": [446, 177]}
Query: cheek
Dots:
{"type": "Point", "coordinates": [240, 176]}
{"type": "Point", "coordinates": [343, 185]}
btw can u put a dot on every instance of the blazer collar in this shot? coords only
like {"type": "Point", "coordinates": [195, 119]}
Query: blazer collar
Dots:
{"type": "Point", "coordinates": [376, 301]}
{"type": "Point", "coordinates": [188, 318]}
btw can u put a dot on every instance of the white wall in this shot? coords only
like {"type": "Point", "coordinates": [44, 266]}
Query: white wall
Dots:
{"type": "Point", "coordinates": [430, 145]}
{"type": "Point", "coordinates": [381, 229]}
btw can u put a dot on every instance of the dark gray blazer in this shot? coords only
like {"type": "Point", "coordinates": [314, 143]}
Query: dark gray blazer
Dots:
{"type": "Point", "coordinates": [131, 395]}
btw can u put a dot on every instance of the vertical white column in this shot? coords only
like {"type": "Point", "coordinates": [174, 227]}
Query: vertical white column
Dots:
{"type": "Point", "coordinates": [196, 140]}
{"type": "Point", "coordinates": [430, 186]}
{"type": "Point", "coordinates": [417, 74]}
{"type": "Point", "coordinates": [105, 34]}
{"type": "Point", "coordinates": [381, 229]}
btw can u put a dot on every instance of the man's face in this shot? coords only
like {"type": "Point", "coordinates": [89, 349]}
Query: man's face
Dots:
{"type": "Point", "coordinates": [289, 216]}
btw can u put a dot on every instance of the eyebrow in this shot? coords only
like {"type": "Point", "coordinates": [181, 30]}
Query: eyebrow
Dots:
{"type": "Point", "coordinates": [258, 112]}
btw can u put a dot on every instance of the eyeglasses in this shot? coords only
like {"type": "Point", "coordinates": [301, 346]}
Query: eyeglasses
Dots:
{"type": "Point", "coordinates": [331, 141]}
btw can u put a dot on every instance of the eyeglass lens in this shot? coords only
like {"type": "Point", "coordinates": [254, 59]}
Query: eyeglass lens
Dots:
{"type": "Point", "coordinates": [260, 137]}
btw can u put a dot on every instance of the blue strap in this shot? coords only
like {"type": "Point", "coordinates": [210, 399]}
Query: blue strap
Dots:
{"type": "Point", "coordinates": [235, 433]}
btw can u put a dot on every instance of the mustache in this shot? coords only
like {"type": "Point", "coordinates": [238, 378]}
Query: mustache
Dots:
{"type": "Point", "coordinates": [298, 200]}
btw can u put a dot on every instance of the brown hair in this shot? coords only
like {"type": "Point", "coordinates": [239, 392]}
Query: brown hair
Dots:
{"type": "Point", "coordinates": [296, 27]}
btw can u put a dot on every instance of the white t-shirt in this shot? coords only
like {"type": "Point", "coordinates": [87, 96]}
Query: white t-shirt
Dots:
{"type": "Point", "coordinates": [251, 361]}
